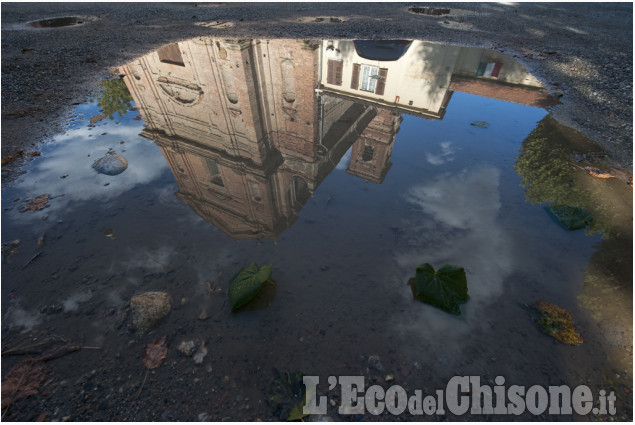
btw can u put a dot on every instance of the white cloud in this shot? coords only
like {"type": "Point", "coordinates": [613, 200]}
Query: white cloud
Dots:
{"type": "Point", "coordinates": [446, 154]}
{"type": "Point", "coordinates": [72, 154]}
{"type": "Point", "coordinates": [459, 225]}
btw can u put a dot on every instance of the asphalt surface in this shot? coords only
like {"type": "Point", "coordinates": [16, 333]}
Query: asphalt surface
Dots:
{"type": "Point", "coordinates": [582, 52]}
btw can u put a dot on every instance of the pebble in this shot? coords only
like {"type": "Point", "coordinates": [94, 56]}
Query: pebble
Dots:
{"type": "Point", "coordinates": [200, 355]}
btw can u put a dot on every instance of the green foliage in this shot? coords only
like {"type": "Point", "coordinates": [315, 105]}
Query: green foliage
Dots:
{"type": "Point", "coordinates": [572, 218]}
{"type": "Point", "coordinates": [115, 97]}
{"type": "Point", "coordinates": [445, 288]}
{"type": "Point", "coordinates": [545, 170]}
{"type": "Point", "coordinates": [286, 396]}
{"type": "Point", "coordinates": [549, 175]}
{"type": "Point", "coordinates": [246, 284]}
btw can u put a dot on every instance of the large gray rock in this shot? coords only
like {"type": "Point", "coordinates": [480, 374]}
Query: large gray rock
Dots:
{"type": "Point", "coordinates": [148, 309]}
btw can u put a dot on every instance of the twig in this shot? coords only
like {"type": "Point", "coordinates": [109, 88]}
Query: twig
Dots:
{"type": "Point", "coordinates": [24, 349]}
{"type": "Point", "coordinates": [32, 259]}
{"type": "Point", "coordinates": [144, 382]}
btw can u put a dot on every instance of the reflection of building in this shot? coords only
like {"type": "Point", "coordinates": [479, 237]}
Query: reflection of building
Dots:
{"type": "Point", "coordinates": [423, 79]}
{"type": "Point", "coordinates": [250, 128]}
{"type": "Point", "coordinates": [242, 129]}
{"type": "Point", "coordinates": [370, 155]}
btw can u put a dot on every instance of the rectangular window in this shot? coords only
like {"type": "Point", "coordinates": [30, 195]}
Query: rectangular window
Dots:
{"type": "Point", "coordinates": [214, 172]}
{"type": "Point", "coordinates": [369, 152]}
{"type": "Point", "coordinates": [334, 72]}
{"type": "Point", "coordinates": [369, 78]}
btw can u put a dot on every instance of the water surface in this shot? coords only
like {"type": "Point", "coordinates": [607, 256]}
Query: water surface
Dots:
{"type": "Point", "coordinates": [344, 173]}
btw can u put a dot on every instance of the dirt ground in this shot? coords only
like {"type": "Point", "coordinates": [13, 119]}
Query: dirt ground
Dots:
{"type": "Point", "coordinates": [582, 52]}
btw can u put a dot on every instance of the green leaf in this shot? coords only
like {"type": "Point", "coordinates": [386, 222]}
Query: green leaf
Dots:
{"type": "Point", "coordinates": [246, 284]}
{"type": "Point", "coordinates": [445, 288]}
{"type": "Point", "coordinates": [287, 395]}
{"type": "Point", "coordinates": [572, 218]}
{"type": "Point", "coordinates": [297, 413]}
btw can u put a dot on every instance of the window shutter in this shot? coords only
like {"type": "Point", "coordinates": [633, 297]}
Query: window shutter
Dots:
{"type": "Point", "coordinates": [339, 66]}
{"type": "Point", "coordinates": [381, 83]}
{"type": "Point", "coordinates": [330, 74]}
{"type": "Point", "coordinates": [355, 77]}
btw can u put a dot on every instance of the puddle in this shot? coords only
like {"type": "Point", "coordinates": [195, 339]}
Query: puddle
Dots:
{"type": "Point", "coordinates": [344, 173]}
{"type": "Point", "coordinates": [322, 19]}
{"type": "Point", "coordinates": [66, 21]}
{"type": "Point", "coordinates": [429, 11]}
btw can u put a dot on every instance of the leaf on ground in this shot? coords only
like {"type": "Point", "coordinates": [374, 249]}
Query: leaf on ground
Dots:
{"type": "Point", "coordinates": [572, 218]}
{"type": "Point", "coordinates": [10, 158]}
{"type": "Point", "coordinates": [24, 380]}
{"type": "Point", "coordinates": [286, 396]}
{"type": "Point", "coordinates": [246, 284]}
{"type": "Point", "coordinates": [557, 322]}
{"type": "Point", "coordinates": [596, 172]}
{"type": "Point", "coordinates": [37, 203]}
{"type": "Point", "coordinates": [445, 288]}
{"type": "Point", "coordinates": [156, 352]}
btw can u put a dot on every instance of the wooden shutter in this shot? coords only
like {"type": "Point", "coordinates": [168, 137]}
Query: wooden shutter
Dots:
{"type": "Point", "coordinates": [334, 72]}
{"type": "Point", "coordinates": [355, 77]}
{"type": "Point", "coordinates": [381, 83]}
{"type": "Point", "coordinates": [171, 54]}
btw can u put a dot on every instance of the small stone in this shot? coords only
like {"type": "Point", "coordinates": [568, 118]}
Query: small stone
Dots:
{"type": "Point", "coordinates": [148, 309]}
{"type": "Point", "coordinates": [200, 355]}
{"type": "Point", "coordinates": [187, 348]}
{"type": "Point", "coordinates": [203, 314]}
{"type": "Point", "coordinates": [375, 363]}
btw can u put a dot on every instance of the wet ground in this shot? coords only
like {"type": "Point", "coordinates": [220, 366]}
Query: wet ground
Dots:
{"type": "Point", "coordinates": [345, 204]}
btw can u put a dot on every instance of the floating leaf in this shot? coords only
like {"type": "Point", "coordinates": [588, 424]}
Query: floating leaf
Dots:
{"type": "Point", "coordinates": [483, 124]}
{"type": "Point", "coordinates": [37, 203]}
{"type": "Point", "coordinates": [286, 395]}
{"type": "Point", "coordinates": [246, 284]}
{"type": "Point", "coordinates": [24, 380]}
{"type": "Point", "coordinates": [156, 352]}
{"type": "Point", "coordinates": [557, 322]}
{"type": "Point", "coordinates": [572, 218]}
{"type": "Point", "coordinates": [445, 288]}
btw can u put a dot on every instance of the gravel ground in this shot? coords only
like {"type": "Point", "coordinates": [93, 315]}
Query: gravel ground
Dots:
{"type": "Point", "coordinates": [581, 51]}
